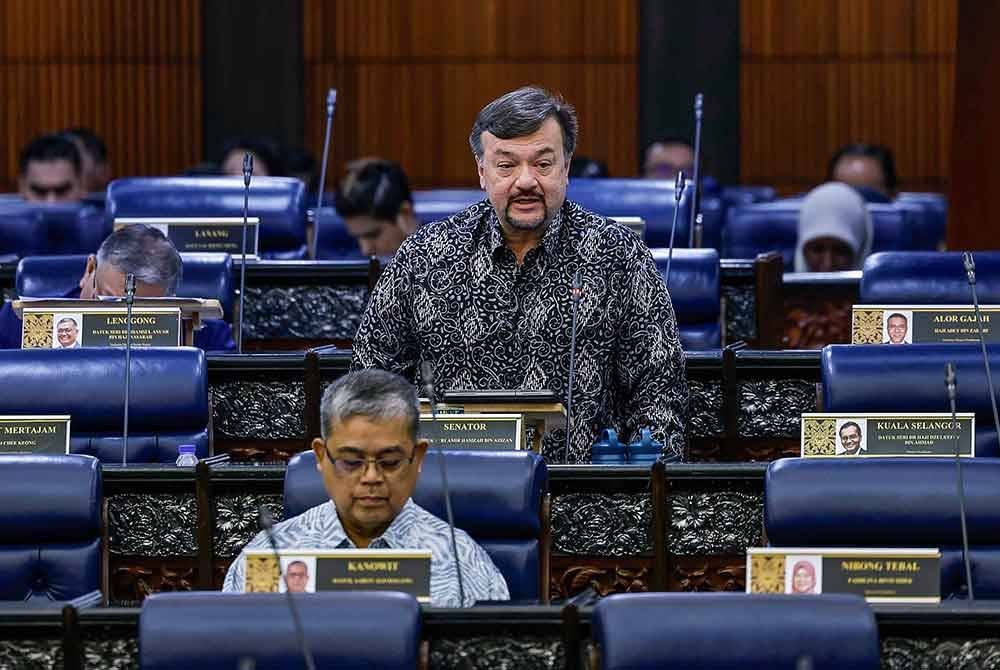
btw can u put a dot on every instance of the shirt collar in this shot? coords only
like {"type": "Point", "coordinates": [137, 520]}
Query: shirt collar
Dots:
{"type": "Point", "coordinates": [551, 238]}
{"type": "Point", "coordinates": [394, 537]}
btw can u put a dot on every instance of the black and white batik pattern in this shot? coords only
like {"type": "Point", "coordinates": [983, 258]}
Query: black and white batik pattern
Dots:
{"type": "Point", "coordinates": [454, 295]}
{"type": "Point", "coordinates": [413, 528]}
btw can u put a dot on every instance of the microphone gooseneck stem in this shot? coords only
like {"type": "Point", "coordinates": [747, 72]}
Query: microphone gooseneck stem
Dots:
{"type": "Point", "coordinates": [129, 299]}
{"type": "Point", "coordinates": [331, 106]}
{"type": "Point", "coordinates": [427, 375]}
{"type": "Point", "coordinates": [575, 293]}
{"type": "Point", "coordinates": [266, 524]}
{"type": "Point", "coordinates": [970, 269]}
{"type": "Point", "coordinates": [949, 376]}
{"type": "Point", "coordinates": [247, 174]}
{"type": "Point", "coordinates": [678, 193]}
{"type": "Point", "coordinates": [699, 100]}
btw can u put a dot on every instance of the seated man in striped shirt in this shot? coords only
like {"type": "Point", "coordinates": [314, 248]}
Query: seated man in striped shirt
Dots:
{"type": "Point", "coordinates": [370, 458]}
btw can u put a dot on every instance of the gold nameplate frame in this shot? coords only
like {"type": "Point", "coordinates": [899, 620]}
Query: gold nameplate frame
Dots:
{"type": "Point", "coordinates": [213, 235]}
{"type": "Point", "coordinates": [922, 324]}
{"type": "Point", "coordinates": [878, 575]}
{"type": "Point", "coordinates": [42, 434]}
{"type": "Point", "coordinates": [840, 435]}
{"type": "Point", "coordinates": [100, 327]}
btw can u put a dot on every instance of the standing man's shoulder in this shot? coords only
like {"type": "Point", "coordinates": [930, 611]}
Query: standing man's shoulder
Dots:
{"type": "Point", "coordinates": [596, 234]}
{"type": "Point", "coordinates": [453, 234]}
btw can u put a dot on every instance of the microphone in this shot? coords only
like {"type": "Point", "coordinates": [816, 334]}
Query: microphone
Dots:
{"type": "Point", "coordinates": [267, 525]}
{"type": "Point", "coordinates": [949, 383]}
{"type": "Point", "coordinates": [678, 192]}
{"type": "Point", "coordinates": [247, 173]}
{"type": "Point", "coordinates": [970, 273]}
{"type": "Point", "coordinates": [129, 299]}
{"type": "Point", "coordinates": [331, 106]}
{"type": "Point", "coordinates": [575, 293]}
{"type": "Point", "coordinates": [427, 376]}
{"type": "Point", "coordinates": [695, 201]}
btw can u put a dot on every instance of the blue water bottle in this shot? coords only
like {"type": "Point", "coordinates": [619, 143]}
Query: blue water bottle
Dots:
{"type": "Point", "coordinates": [645, 450]}
{"type": "Point", "coordinates": [608, 450]}
{"type": "Point", "coordinates": [186, 456]}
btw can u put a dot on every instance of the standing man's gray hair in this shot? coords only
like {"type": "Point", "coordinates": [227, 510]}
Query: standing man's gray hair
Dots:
{"type": "Point", "coordinates": [145, 252]}
{"type": "Point", "coordinates": [373, 394]}
{"type": "Point", "coordinates": [522, 112]}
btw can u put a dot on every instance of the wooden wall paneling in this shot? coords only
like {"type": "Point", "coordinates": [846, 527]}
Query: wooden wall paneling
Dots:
{"type": "Point", "coordinates": [129, 70]}
{"type": "Point", "coordinates": [411, 76]}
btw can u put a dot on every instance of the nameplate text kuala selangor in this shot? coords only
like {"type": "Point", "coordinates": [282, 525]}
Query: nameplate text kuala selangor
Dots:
{"type": "Point", "coordinates": [47, 434]}
{"type": "Point", "coordinates": [218, 235]}
{"type": "Point", "coordinates": [922, 324]}
{"type": "Point", "coordinates": [826, 435]}
{"type": "Point", "coordinates": [878, 575]}
{"type": "Point", "coordinates": [313, 570]}
{"type": "Point", "coordinates": [100, 327]}
{"type": "Point", "coordinates": [473, 432]}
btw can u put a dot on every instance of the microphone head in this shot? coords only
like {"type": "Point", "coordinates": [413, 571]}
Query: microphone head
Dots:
{"type": "Point", "coordinates": [264, 518]}
{"type": "Point", "coordinates": [949, 378]}
{"type": "Point", "coordinates": [427, 377]}
{"type": "Point", "coordinates": [679, 186]}
{"type": "Point", "coordinates": [129, 284]}
{"type": "Point", "coordinates": [576, 289]}
{"type": "Point", "coordinates": [699, 103]}
{"type": "Point", "coordinates": [970, 266]}
{"type": "Point", "coordinates": [331, 101]}
{"type": "Point", "coordinates": [247, 168]}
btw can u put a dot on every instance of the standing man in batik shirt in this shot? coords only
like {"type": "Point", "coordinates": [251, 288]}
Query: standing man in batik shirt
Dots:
{"type": "Point", "coordinates": [485, 295]}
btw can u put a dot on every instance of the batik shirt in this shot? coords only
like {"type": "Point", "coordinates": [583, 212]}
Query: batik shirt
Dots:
{"type": "Point", "coordinates": [454, 295]}
{"type": "Point", "coordinates": [413, 528]}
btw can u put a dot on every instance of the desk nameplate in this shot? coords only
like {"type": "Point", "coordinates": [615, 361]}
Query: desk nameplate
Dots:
{"type": "Point", "coordinates": [878, 575]}
{"type": "Point", "coordinates": [863, 435]}
{"type": "Point", "coordinates": [100, 327]}
{"type": "Point", "coordinates": [314, 570]}
{"type": "Point", "coordinates": [43, 434]}
{"type": "Point", "coordinates": [474, 432]}
{"type": "Point", "coordinates": [215, 235]}
{"type": "Point", "coordinates": [922, 324]}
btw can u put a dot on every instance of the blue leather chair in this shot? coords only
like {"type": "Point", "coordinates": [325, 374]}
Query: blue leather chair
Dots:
{"type": "Point", "coordinates": [333, 242]}
{"type": "Point", "coordinates": [439, 204]}
{"type": "Point", "coordinates": [890, 502]}
{"type": "Point", "coordinates": [928, 278]}
{"type": "Point", "coordinates": [279, 203]}
{"type": "Point", "coordinates": [67, 228]}
{"type": "Point", "coordinates": [212, 631]}
{"type": "Point", "coordinates": [52, 539]}
{"type": "Point", "coordinates": [883, 378]}
{"type": "Point", "coordinates": [694, 292]}
{"type": "Point", "coordinates": [773, 226]}
{"type": "Point", "coordinates": [169, 405]}
{"type": "Point", "coordinates": [204, 276]}
{"type": "Point", "coordinates": [650, 199]}
{"type": "Point", "coordinates": [716, 631]}
{"type": "Point", "coordinates": [22, 232]}
{"type": "Point", "coordinates": [498, 499]}
{"type": "Point", "coordinates": [935, 207]}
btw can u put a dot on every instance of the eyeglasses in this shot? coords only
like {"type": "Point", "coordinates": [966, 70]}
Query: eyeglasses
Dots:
{"type": "Point", "coordinates": [387, 465]}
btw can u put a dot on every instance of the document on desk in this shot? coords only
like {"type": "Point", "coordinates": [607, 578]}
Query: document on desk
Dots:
{"type": "Point", "coordinates": [871, 435]}
{"type": "Point", "coordinates": [313, 570]}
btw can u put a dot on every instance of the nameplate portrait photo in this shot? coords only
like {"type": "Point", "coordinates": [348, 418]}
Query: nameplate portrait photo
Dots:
{"type": "Point", "coordinates": [829, 435]}
{"type": "Point", "coordinates": [100, 327]}
{"type": "Point", "coordinates": [476, 432]}
{"type": "Point", "coordinates": [922, 324]}
{"type": "Point", "coordinates": [313, 570]}
{"type": "Point", "coordinates": [47, 434]}
{"type": "Point", "coordinates": [212, 235]}
{"type": "Point", "coordinates": [877, 575]}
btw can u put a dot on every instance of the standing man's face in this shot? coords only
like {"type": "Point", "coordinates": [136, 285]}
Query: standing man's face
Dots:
{"type": "Point", "coordinates": [66, 333]}
{"type": "Point", "coordinates": [297, 578]}
{"type": "Point", "coordinates": [50, 182]}
{"type": "Point", "coordinates": [850, 437]}
{"type": "Point", "coordinates": [525, 177]}
{"type": "Point", "coordinates": [896, 328]}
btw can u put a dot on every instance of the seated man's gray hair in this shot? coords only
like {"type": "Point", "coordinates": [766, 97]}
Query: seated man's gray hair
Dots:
{"type": "Point", "coordinates": [373, 394]}
{"type": "Point", "coordinates": [521, 113]}
{"type": "Point", "coordinates": [145, 252]}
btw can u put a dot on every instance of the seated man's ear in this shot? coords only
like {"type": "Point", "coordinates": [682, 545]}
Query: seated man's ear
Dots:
{"type": "Point", "coordinates": [319, 448]}
{"type": "Point", "coordinates": [419, 451]}
{"type": "Point", "coordinates": [87, 282]}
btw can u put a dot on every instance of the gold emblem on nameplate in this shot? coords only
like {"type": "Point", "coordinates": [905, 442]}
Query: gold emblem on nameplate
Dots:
{"type": "Point", "coordinates": [767, 574]}
{"type": "Point", "coordinates": [867, 327]}
{"type": "Point", "coordinates": [820, 437]}
{"type": "Point", "coordinates": [263, 574]}
{"type": "Point", "coordinates": [37, 331]}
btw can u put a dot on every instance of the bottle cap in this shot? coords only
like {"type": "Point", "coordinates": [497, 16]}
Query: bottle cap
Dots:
{"type": "Point", "coordinates": [186, 449]}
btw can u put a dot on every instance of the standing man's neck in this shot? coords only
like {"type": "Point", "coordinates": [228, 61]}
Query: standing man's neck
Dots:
{"type": "Point", "coordinates": [522, 241]}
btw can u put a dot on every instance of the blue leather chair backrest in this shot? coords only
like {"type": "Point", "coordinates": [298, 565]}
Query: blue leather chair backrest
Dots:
{"type": "Point", "coordinates": [935, 206]}
{"type": "Point", "coordinates": [169, 405]}
{"type": "Point", "coordinates": [890, 502]}
{"type": "Point", "coordinates": [910, 378]}
{"type": "Point", "coordinates": [205, 276]}
{"type": "Point", "coordinates": [346, 630]}
{"type": "Point", "coordinates": [928, 278]}
{"type": "Point", "coordinates": [50, 510]}
{"type": "Point", "coordinates": [22, 231]}
{"type": "Point", "coordinates": [28, 229]}
{"type": "Point", "coordinates": [279, 203]}
{"type": "Point", "coordinates": [650, 199]}
{"type": "Point", "coordinates": [333, 242]}
{"type": "Point", "coordinates": [694, 292]}
{"type": "Point", "coordinates": [496, 497]}
{"type": "Point", "coordinates": [713, 631]}
{"type": "Point", "coordinates": [773, 226]}
{"type": "Point", "coordinates": [439, 204]}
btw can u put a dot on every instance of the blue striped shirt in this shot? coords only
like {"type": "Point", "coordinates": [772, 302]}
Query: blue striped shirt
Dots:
{"type": "Point", "coordinates": [413, 528]}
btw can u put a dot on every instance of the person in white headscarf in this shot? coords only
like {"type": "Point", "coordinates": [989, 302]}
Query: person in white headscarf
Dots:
{"type": "Point", "coordinates": [835, 230]}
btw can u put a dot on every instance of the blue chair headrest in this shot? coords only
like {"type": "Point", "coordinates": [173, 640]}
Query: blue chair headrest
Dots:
{"type": "Point", "coordinates": [209, 276]}
{"type": "Point", "coordinates": [439, 204]}
{"type": "Point", "coordinates": [22, 231]}
{"type": "Point", "coordinates": [694, 283]}
{"type": "Point", "coordinates": [333, 242]}
{"type": "Point", "coordinates": [928, 278]}
{"type": "Point", "coordinates": [279, 203]}
{"type": "Point", "coordinates": [64, 228]}
{"type": "Point", "coordinates": [203, 631]}
{"type": "Point", "coordinates": [494, 494]}
{"type": "Point", "coordinates": [51, 499]}
{"type": "Point", "coordinates": [650, 199]}
{"type": "Point", "coordinates": [712, 631]}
